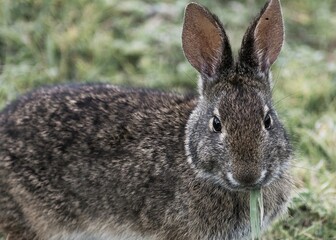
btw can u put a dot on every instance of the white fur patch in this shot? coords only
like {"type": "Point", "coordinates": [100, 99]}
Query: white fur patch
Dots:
{"type": "Point", "coordinates": [222, 135]}
{"type": "Point", "coordinates": [232, 180]}
{"type": "Point", "coordinates": [189, 160]}
{"type": "Point", "coordinates": [262, 176]}
{"type": "Point", "coordinates": [216, 112]}
{"type": "Point", "coordinates": [266, 109]}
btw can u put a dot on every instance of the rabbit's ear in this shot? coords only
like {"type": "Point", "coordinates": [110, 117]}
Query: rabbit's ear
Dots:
{"type": "Point", "coordinates": [263, 40]}
{"type": "Point", "coordinates": [204, 42]}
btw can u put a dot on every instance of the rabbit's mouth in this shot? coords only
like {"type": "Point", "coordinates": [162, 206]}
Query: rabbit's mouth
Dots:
{"type": "Point", "coordinates": [264, 180]}
{"type": "Point", "coordinates": [245, 187]}
{"type": "Point", "coordinates": [227, 181]}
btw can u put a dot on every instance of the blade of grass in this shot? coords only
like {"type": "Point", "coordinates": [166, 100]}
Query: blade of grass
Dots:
{"type": "Point", "coordinates": [256, 213]}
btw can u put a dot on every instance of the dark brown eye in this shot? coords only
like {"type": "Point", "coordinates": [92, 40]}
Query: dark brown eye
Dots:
{"type": "Point", "coordinates": [268, 121]}
{"type": "Point", "coordinates": [216, 124]}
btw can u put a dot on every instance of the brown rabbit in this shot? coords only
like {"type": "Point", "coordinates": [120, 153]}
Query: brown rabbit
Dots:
{"type": "Point", "coordinates": [95, 161]}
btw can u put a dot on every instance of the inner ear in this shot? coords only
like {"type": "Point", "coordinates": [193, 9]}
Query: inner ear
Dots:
{"type": "Point", "coordinates": [263, 40]}
{"type": "Point", "coordinates": [204, 41]}
{"type": "Point", "coordinates": [269, 34]}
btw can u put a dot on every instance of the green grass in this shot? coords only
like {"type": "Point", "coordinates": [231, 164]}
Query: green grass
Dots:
{"type": "Point", "coordinates": [256, 213]}
{"type": "Point", "coordinates": [138, 43]}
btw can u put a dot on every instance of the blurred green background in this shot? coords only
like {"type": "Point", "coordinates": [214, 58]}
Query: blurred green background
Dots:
{"type": "Point", "coordinates": [138, 43]}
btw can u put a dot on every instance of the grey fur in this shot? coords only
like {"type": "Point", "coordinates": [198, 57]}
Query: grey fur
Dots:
{"type": "Point", "coordinates": [94, 161]}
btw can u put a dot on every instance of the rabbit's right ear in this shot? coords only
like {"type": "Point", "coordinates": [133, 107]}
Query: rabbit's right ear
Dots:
{"type": "Point", "coordinates": [264, 38]}
{"type": "Point", "coordinates": [205, 43]}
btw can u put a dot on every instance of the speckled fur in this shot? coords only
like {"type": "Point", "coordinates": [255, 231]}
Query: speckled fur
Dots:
{"type": "Point", "coordinates": [95, 161]}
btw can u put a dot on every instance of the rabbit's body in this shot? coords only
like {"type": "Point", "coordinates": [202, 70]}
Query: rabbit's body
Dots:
{"type": "Point", "coordinates": [94, 174]}
{"type": "Point", "coordinates": [101, 162]}
{"type": "Point", "coordinates": [75, 164]}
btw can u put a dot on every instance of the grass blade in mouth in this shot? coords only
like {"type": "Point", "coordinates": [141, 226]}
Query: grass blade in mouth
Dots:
{"type": "Point", "coordinates": [256, 213]}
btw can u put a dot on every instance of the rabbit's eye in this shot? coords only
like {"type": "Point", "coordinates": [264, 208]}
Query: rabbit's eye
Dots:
{"type": "Point", "coordinates": [216, 124]}
{"type": "Point", "coordinates": [268, 121]}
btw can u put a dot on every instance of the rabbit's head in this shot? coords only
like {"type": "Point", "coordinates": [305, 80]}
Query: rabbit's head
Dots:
{"type": "Point", "coordinates": [234, 136]}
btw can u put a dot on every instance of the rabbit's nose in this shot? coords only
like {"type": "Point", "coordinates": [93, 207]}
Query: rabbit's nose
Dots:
{"type": "Point", "coordinates": [246, 178]}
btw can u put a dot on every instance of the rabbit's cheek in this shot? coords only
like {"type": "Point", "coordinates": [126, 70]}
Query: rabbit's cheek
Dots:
{"type": "Point", "coordinates": [272, 173]}
{"type": "Point", "coordinates": [277, 156]}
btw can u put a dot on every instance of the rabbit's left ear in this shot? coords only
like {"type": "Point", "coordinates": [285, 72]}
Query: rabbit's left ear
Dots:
{"type": "Point", "coordinates": [204, 42]}
{"type": "Point", "coordinates": [263, 40]}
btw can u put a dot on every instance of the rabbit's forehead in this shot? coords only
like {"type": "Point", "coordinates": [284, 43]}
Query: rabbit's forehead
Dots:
{"type": "Point", "coordinates": [241, 105]}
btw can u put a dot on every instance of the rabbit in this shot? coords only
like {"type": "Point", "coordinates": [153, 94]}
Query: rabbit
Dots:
{"type": "Point", "coordinates": [96, 161]}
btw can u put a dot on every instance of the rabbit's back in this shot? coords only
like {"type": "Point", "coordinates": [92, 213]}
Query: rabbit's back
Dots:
{"type": "Point", "coordinates": [87, 150]}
